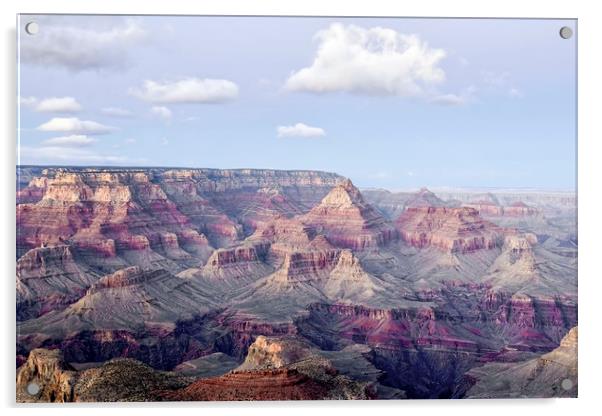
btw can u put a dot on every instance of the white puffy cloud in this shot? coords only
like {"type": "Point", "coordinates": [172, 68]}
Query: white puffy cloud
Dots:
{"type": "Point", "coordinates": [116, 112]}
{"type": "Point", "coordinates": [375, 61]}
{"type": "Point", "coordinates": [74, 125]}
{"type": "Point", "coordinates": [164, 141]}
{"type": "Point", "coordinates": [52, 104]}
{"type": "Point", "coordinates": [300, 130]}
{"type": "Point", "coordinates": [130, 141]}
{"type": "Point", "coordinates": [161, 112]}
{"type": "Point", "coordinates": [75, 140]}
{"type": "Point", "coordinates": [81, 47]}
{"type": "Point", "coordinates": [188, 90]}
{"type": "Point", "coordinates": [65, 155]}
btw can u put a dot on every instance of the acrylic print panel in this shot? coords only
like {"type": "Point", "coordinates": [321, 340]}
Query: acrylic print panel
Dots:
{"type": "Point", "coordinates": [285, 208]}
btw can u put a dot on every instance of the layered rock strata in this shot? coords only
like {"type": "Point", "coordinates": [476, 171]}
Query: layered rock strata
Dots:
{"type": "Point", "coordinates": [450, 229]}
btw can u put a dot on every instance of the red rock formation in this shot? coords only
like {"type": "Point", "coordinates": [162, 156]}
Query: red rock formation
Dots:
{"type": "Point", "coordinates": [450, 229]}
{"type": "Point", "coordinates": [279, 384]}
{"type": "Point", "coordinates": [277, 369]}
{"type": "Point", "coordinates": [348, 221]}
{"type": "Point", "coordinates": [96, 247]}
{"type": "Point", "coordinates": [97, 205]}
{"type": "Point", "coordinates": [394, 329]}
{"type": "Point", "coordinates": [224, 257]}
{"type": "Point", "coordinates": [199, 210]}
{"type": "Point", "coordinates": [103, 213]}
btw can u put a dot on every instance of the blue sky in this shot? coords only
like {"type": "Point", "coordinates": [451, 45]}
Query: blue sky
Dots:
{"type": "Point", "coordinates": [392, 103]}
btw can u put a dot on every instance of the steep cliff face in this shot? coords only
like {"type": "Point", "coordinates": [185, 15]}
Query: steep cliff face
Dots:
{"type": "Point", "coordinates": [306, 266]}
{"type": "Point", "coordinates": [450, 229]}
{"type": "Point", "coordinates": [240, 262]}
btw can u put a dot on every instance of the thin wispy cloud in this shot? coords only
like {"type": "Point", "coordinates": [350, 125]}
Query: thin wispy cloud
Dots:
{"type": "Point", "coordinates": [463, 98]}
{"type": "Point", "coordinates": [76, 140]}
{"type": "Point", "coordinates": [52, 104]}
{"type": "Point", "coordinates": [75, 126]}
{"type": "Point", "coordinates": [375, 61]}
{"type": "Point", "coordinates": [187, 90]}
{"type": "Point", "coordinates": [80, 48]}
{"type": "Point", "coordinates": [67, 155]}
{"type": "Point", "coordinates": [300, 130]}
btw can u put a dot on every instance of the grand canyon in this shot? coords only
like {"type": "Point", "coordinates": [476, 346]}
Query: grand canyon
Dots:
{"type": "Point", "coordinates": [173, 284]}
